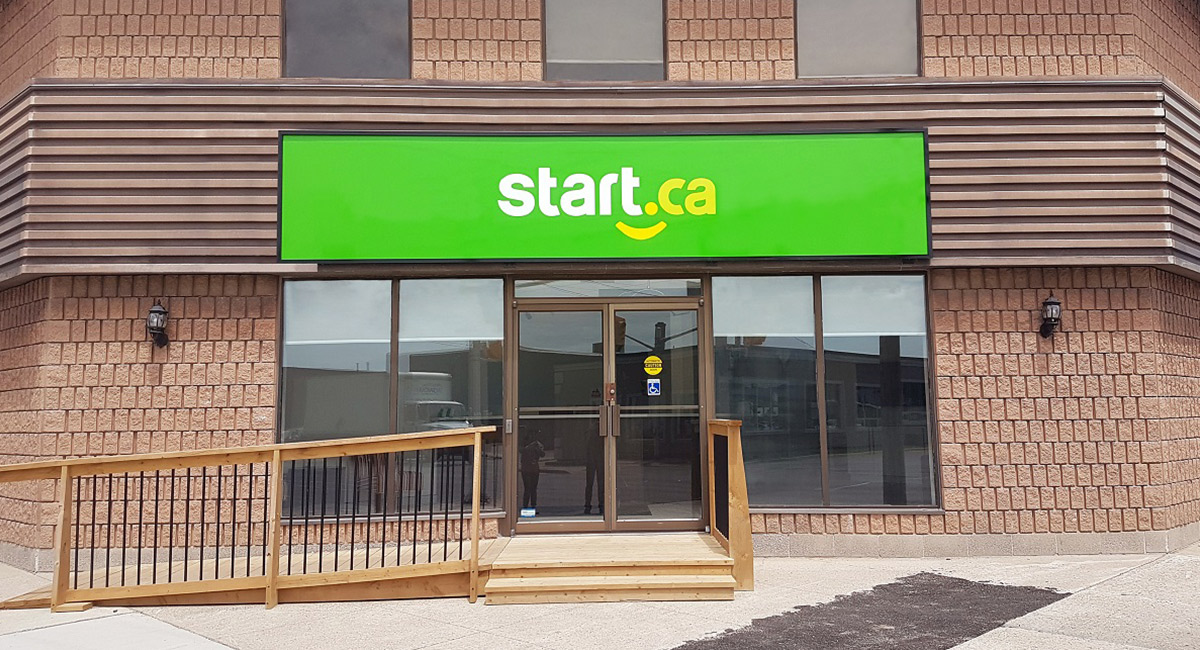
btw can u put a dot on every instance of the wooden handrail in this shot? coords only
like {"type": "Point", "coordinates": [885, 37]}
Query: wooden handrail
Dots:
{"type": "Point", "coordinates": [739, 543]}
{"type": "Point", "coordinates": [90, 466]}
{"type": "Point", "coordinates": [67, 471]}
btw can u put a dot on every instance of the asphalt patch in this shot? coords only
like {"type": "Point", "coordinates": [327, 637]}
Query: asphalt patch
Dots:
{"type": "Point", "coordinates": [925, 611]}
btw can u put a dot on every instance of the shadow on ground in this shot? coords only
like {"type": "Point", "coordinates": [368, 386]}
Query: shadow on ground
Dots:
{"type": "Point", "coordinates": [925, 611]}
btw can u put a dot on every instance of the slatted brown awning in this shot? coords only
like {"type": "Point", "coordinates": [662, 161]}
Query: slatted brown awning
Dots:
{"type": "Point", "coordinates": [173, 177]}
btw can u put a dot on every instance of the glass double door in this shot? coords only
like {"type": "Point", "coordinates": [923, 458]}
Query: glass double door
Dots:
{"type": "Point", "coordinates": [608, 417]}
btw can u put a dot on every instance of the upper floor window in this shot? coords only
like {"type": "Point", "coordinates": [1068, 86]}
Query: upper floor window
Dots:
{"type": "Point", "coordinates": [843, 38]}
{"type": "Point", "coordinates": [355, 39]}
{"type": "Point", "coordinates": [614, 40]}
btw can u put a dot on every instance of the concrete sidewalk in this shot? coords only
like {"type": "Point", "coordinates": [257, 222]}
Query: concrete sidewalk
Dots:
{"type": "Point", "coordinates": [1117, 602]}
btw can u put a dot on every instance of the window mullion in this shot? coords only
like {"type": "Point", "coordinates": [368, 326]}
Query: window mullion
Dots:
{"type": "Point", "coordinates": [822, 416]}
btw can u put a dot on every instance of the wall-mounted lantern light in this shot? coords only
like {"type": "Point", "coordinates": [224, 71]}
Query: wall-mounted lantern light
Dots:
{"type": "Point", "coordinates": [156, 324]}
{"type": "Point", "coordinates": [1051, 316]}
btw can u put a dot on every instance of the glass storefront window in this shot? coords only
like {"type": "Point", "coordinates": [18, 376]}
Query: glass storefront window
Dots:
{"type": "Point", "coordinates": [764, 354]}
{"type": "Point", "coordinates": [338, 374]}
{"type": "Point", "coordinates": [336, 344]}
{"type": "Point", "coordinates": [875, 346]}
{"type": "Point", "coordinates": [876, 355]}
{"type": "Point", "coordinates": [451, 364]}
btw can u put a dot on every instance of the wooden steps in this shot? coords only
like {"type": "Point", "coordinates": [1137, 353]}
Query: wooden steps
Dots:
{"type": "Point", "coordinates": [601, 588]}
{"type": "Point", "coordinates": [582, 568]}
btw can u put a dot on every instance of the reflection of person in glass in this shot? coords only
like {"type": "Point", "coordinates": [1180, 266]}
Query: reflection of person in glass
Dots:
{"type": "Point", "coordinates": [531, 470]}
{"type": "Point", "coordinates": [594, 474]}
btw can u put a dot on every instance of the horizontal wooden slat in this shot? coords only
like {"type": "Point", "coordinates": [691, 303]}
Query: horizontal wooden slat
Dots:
{"type": "Point", "coordinates": [110, 176]}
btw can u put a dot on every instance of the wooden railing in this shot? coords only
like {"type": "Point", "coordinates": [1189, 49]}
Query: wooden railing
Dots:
{"type": "Point", "coordinates": [729, 506]}
{"type": "Point", "coordinates": [329, 520]}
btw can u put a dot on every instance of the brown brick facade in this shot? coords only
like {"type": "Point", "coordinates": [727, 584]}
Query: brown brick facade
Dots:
{"type": "Point", "coordinates": [727, 40]}
{"type": "Point", "coordinates": [82, 378]}
{"type": "Point", "coordinates": [27, 37]}
{"type": "Point", "coordinates": [1021, 38]}
{"type": "Point", "coordinates": [157, 39]}
{"type": "Point", "coordinates": [477, 40]}
{"type": "Point", "coordinates": [1093, 430]}
{"type": "Point", "coordinates": [501, 40]}
{"type": "Point", "coordinates": [1169, 39]}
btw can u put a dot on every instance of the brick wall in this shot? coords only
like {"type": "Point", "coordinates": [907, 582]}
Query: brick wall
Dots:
{"type": "Point", "coordinates": [115, 39]}
{"type": "Point", "coordinates": [81, 377]}
{"type": "Point", "coordinates": [1029, 38]}
{"type": "Point", "coordinates": [24, 516]}
{"type": "Point", "coordinates": [1093, 430]}
{"type": "Point", "coordinates": [1169, 35]}
{"type": "Point", "coordinates": [982, 38]}
{"type": "Point", "coordinates": [1176, 427]}
{"type": "Point", "coordinates": [726, 40]}
{"type": "Point", "coordinates": [484, 40]}
{"type": "Point", "coordinates": [27, 34]}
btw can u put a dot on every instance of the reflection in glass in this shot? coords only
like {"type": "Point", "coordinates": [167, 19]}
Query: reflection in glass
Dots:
{"type": "Point", "coordinates": [450, 364]}
{"type": "Point", "coordinates": [336, 384]}
{"type": "Point", "coordinates": [765, 373]}
{"type": "Point", "coordinates": [658, 450]}
{"type": "Point", "coordinates": [561, 454]}
{"type": "Point", "coordinates": [606, 288]}
{"type": "Point", "coordinates": [875, 365]}
{"type": "Point", "coordinates": [336, 343]}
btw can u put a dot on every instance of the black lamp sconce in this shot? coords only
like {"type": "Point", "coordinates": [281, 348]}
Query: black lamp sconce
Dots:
{"type": "Point", "coordinates": [156, 324]}
{"type": "Point", "coordinates": [1051, 316]}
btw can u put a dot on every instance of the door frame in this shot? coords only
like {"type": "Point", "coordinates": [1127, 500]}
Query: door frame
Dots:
{"type": "Point", "coordinates": [608, 418]}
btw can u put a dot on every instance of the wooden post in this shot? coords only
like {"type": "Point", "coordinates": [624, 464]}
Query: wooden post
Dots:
{"type": "Point", "coordinates": [274, 518]}
{"type": "Point", "coordinates": [741, 543]}
{"type": "Point", "coordinates": [62, 543]}
{"type": "Point", "coordinates": [476, 486]}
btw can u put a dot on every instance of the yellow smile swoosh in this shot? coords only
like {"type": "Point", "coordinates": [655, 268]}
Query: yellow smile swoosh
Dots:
{"type": "Point", "coordinates": [641, 234]}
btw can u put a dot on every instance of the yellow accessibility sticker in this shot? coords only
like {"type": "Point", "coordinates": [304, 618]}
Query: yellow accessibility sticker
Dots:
{"type": "Point", "coordinates": [653, 365]}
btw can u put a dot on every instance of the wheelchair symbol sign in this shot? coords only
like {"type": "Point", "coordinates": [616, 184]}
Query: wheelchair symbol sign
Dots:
{"type": "Point", "coordinates": [654, 387]}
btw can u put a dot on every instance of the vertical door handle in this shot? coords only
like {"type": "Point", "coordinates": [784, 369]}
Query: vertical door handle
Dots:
{"type": "Point", "coordinates": [616, 420]}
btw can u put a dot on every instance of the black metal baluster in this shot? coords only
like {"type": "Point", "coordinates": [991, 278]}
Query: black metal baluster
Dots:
{"type": "Point", "coordinates": [217, 544]}
{"type": "Point", "coordinates": [387, 471]}
{"type": "Point", "coordinates": [321, 530]}
{"type": "Point", "coordinates": [370, 504]}
{"type": "Point", "coordinates": [266, 495]}
{"type": "Point", "coordinates": [354, 506]}
{"type": "Point", "coordinates": [171, 530]}
{"type": "Point", "coordinates": [92, 527]}
{"type": "Point", "coordinates": [203, 508]}
{"type": "Point", "coordinates": [292, 482]}
{"type": "Point", "coordinates": [141, 523]}
{"type": "Point", "coordinates": [108, 531]}
{"type": "Point", "coordinates": [400, 507]}
{"type": "Point", "coordinates": [416, 509]}
{"type": "Point", "coordinates": [157, 525]}
{"type": "Point", "coordinates": [78, 528]}
{"type": "Point", "coordinates": [305, 500]}
{"type": "Point", "coordinates": [337, 514]}
{"type": "Point", "coordinates": [462, 498]}
{"type": "Point", "coordinates": [249, 515]}
{"type": "Point", "coordinates": [447, 492]}
{"type": "Point", "coordinates": [187, 519]}
{"type": "Point", "coordinates": [432, 492]}
{"type": "Point", "coordinates": [124, 523]}
{"type": "Point", "coordinates": [233, 504]}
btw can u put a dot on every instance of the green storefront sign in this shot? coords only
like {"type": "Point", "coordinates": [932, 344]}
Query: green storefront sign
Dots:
{"type": "Point", "coordinates": [563, 197]}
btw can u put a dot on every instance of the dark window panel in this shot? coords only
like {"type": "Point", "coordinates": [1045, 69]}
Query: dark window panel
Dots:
{"type": "Point", "coordinates": [614, 40]}
{"type": "Point", "coordinates": [836, 38]}
{"type": "Point", "coordinates": [352, 39]}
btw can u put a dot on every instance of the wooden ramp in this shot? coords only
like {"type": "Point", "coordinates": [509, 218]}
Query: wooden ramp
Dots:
{"type": "Point", "coordinates": [595, 568]}
{"type": "Point", "coordinates": [116, 513]}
